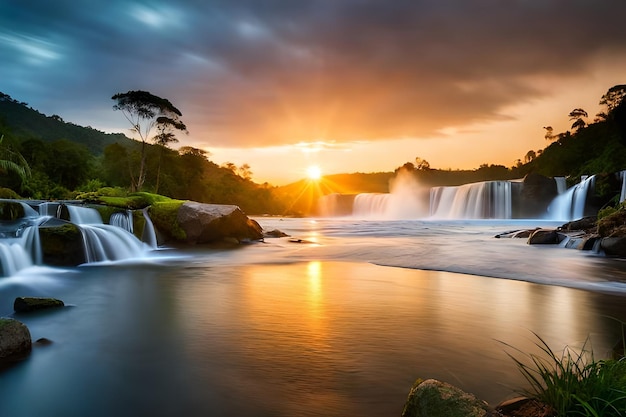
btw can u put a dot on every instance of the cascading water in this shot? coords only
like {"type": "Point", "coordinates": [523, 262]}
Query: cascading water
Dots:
{"type": "Point", "coordinates": [104, 242]}
{"type": "Point", "coordinates": [20, 247]}
{"type": "Point", "coordinates": [149, 234]}
{"type": "Point", "coordinates": [482, 200]}
{"type": "Point", "coordinates": [570, 205]}
{"type": "Point", "coordinates": [123, 220]}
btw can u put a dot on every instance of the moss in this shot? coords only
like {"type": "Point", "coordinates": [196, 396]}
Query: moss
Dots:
{"type": "Point", "coordinates": [164, 217]}
{"type": "Point", "coordinates": [133, 201]}
{"type": "Point", "coordinates": [613, 224]}
{"type": "Point", "coordinates": [4, 322]}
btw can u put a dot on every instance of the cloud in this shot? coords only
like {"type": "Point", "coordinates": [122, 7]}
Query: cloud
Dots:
{"type": "Point", "coordinates": [251, 73]}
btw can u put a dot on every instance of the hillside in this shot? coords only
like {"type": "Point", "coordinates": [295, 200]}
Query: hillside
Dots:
{"type": "Point", "coordinates": [27, 122]}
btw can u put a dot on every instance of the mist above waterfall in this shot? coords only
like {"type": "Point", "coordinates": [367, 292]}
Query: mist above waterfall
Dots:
{"type": "Point", "coordinates": [406, 200]}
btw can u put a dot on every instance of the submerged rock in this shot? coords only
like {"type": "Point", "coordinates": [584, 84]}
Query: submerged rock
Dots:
{"type": "Point", "coordinates": [15, 338]}
{"type": "Point", "coordinates": [433, 398]}
{"type": "Point", "coordinates": [545, 237]}
{"type": "Point", "coordinates": [28, 304]}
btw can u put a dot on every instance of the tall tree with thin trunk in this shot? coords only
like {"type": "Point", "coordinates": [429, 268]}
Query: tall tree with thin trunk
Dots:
{"type": "Point", "coordinates": [146, 112]}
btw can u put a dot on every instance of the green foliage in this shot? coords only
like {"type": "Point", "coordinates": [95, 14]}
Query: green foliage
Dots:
{"type": "Point", "coordinates": [7, 193]}
{"type": "Point", "coordinates": [574, 383]}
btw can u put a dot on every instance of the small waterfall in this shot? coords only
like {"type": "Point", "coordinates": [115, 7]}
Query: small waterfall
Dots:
{"type": "Point", "coordinates": [19, 245]}
{"type": "Point", "coordinates": [570, 205]}
{"type": "Point", "coordinates": [13, 256]}
{"type": "Point", "coordinates": [561, 184]}
{"type": "Point", "coordinates": [481, 200]}
{"type": "Point", "coordinates": [48, 208]}
{"type": "Point", "coordinates": [622, 196]}
{"type": "Point", "coordinates": [149, 234]}
{"type": "Point", "coordinates": [104, 242]}
{"type": "Point", "coordinates": [123, 220]}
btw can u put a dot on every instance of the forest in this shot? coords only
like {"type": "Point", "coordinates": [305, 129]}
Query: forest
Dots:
{"type": "Point", "coordinates": [43, 157]}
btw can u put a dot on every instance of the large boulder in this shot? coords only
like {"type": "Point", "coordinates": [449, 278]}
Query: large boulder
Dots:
{"type": "Point", "coordinates": [205, 223]}
{"type": "Point", "coordinates": [433, 398]}
{"type": "Point", "coordinates": [536, 194]}
{"type": "Point", "coordinates": [15, 338]}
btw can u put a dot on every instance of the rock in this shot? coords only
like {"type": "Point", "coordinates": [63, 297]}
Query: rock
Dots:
{"type": "Point", "coordinates": [525, 407]}
{"type": "Point", "coordinates": [205, 223]}
{"type": "Point", "coordinates": [28, 304]}
{"type": "Point", "coordinates": [275, 233]}
{"type": "Point", "coordinates": [536, 194]}
{"type": "Point", "coordinates": [15, 338]}
{"type": "Point", "coordinates": [545, 237]}
{"type": "Point", "coordinates": [614, 246]}
{"type": "Point", "coordinates": [432, 398]}
{"type": "Point", "coordinates": [61, 243]}
{"type": "Point", "coordinates": [586, 224]}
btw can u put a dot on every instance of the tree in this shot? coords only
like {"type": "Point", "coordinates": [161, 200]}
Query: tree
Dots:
{"type": "Point", "coordinates": [577, 115]}
{"type": "Point", "coordinates": [245, 172]}
{"type": "Point", "coordinates": [530, 155]}
{"type": "Point", "coordinates": [549, 133]}
{"type": "Point", "coordinates": [145, 112]}
{"type": "Point", "coordinates": [613, 97]}
{"type": "Point", "coordinates": [166, 127]}
{"type": "Point", "coordinates": [421, 164]}
{"type": "Point", "coordinates": [13, 161]}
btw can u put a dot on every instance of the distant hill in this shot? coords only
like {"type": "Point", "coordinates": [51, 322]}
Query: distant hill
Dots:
{"type": "Point", "coordinates": [25, 121]}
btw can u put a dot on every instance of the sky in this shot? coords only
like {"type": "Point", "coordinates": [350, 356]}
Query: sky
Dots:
{"type": "Point", "coordinates": [345, 85]}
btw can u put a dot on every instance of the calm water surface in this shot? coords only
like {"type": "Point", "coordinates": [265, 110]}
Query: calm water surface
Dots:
{"type": "Point", "coordinates": [339, 325]}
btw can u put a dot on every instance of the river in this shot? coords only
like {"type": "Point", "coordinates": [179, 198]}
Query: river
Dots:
{"type": "Point", "coordinates": [338, 319]}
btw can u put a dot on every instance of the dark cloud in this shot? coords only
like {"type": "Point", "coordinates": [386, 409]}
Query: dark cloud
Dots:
{"type": "Point", "coordinates": [270, 72]}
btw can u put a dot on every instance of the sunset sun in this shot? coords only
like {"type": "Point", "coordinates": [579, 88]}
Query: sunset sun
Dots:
{"type": "Point", "coordinates": [314, 173]}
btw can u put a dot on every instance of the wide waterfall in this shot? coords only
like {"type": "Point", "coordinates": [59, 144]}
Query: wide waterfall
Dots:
{"type": "Point", "coordinates": [546, 199]}
{"type": "Point", "coordinates": [483, 200]}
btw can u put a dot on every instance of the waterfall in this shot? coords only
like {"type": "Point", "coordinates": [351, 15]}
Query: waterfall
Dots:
{"type": "Point", "coordinates": [622, 176]}
{"type": "Point", "coordinates": [149, 234]}
{"type": "Point", "coordinates": [123, 220]}
{"type": "Point", "coordinates": [104, 242]}
{"type": "Point", "coordinates": [370, 205]}
{"type": "Point", "coordinates": [406, 200]}
{"type": "Point", "coordinates": [561, 184]}
{"type": "Point", "coordinates": [481, 200]}
{"type": "Point", "coordinates": [570, 205]}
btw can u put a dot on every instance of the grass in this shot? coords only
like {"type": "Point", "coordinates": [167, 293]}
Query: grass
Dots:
{"type": "Point", "coordinates": [575, 383]}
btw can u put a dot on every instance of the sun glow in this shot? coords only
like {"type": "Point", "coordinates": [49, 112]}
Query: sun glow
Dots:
{"type": "Point", "coordinates": [314, 173]}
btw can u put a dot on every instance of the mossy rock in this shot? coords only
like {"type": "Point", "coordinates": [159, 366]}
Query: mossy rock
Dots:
{"type": "Point", "coordinates": [164, 216]}
{"type": "Point", "coordinates": [61, 243]}
{"type": "Point", "coordinates": [15, 339]}
{"type": "Point", "coordinates": [28, 304]}
{"type": "Point", "coordinates": [432, 398]}
{"type": "Point", "coordinates": [11, 210]}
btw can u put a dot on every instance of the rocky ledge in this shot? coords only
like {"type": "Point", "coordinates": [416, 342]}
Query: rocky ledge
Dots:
{"type": "Point", "coordinates": [607, 235]}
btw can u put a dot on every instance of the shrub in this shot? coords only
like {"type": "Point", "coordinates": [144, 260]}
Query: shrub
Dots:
{"type": "Point", "coordinates": [574, 383]}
